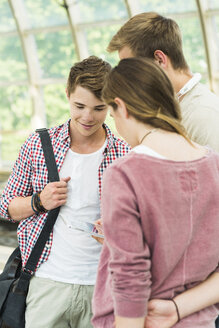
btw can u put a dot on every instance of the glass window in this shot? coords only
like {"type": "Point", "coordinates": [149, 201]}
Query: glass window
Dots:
{"type": "Point", "coordinates": [15, 120]}
{"type": "Point", "coordinates": [43, 13]}
{"type": "Point", "coordinates": [215, 37]}
{"type": "Point", "coordinates": [98, 39]}
{"type": "Point", "coordinates": [7, 22]}
{"type": "Point", "coordinates": [9, 150]}
{"type": "Point", "coordinates": [96, 10]}
{"type": "Point", "coordinates": [12, 65]}
{"type": "Point", "coordinates": [56, 53]}
{"type": "Point", "coordinates": [193, 46]}
{"type": "Point", "coordinates": [213, 4]}
{"type": "Point", "coordinates": [167, 6]}
{"type": "Point", "coordinates": [57, 106]}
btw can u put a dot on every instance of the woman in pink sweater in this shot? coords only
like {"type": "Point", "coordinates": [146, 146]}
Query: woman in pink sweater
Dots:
{"type": "Point", "coordinates": [160, 204]}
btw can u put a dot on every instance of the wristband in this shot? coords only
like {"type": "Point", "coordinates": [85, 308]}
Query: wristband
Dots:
{"type": "Point", "coordinates": [37, 203]}
{"type": "Point", "coordinates": [32, 204]}
{"type": "Point", "coordinates": [44, 210]}
{"type": "Point", "coordinates": [177, 310]}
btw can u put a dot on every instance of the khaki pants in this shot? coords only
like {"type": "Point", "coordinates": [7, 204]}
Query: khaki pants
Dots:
{"type": "Point", "coordinates": [52, 304]}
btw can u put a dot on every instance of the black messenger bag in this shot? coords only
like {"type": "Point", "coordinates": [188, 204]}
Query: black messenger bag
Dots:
{"type": "Point", "coordinates": [14, 281]}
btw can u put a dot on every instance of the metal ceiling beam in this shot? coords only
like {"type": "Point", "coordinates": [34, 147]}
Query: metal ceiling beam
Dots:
{"type": "Point", "coordinates": [212, 42]}
{"type": "Point", "coordinates": [206, 34]}
{"type": "Point", "coordinates": [79, 37]}
{"type": "Point", "coordinates": [81, 26]}
{"type": "Point", "coordinates": [33, 67]}
{"type": "Point", "coordinates": [132, 7]}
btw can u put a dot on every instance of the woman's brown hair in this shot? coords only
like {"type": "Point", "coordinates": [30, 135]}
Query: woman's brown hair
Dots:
{"type": "Point", "coordinates": [147, 93]}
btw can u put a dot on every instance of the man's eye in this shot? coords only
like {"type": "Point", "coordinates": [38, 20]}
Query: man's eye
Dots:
{"type": "Point", "coordinates": [79, 107]}
{"type": "Point", "coordinates": [100, 108]}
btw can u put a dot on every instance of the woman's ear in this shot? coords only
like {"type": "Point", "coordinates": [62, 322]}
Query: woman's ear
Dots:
{"type": "Point", "coordinates": [121, 107]}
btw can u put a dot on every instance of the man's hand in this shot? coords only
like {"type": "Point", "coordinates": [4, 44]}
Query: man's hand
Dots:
{"type": "Point", "coordinates": [54, 194]}
{"type": "Point", "coordinates": [99, 227]}
{"type": "Point", "coordinates": [161, 314]}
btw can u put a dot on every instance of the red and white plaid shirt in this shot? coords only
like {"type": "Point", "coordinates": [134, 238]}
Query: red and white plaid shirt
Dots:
{"type": "Point", "coordinates": [30, 175]}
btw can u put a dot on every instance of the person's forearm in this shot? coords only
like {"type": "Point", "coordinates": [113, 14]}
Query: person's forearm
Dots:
{"type": "Point", "coordinates": [53, 195]}
{"type": "Point", "coordinates": [121, 322]}
{"type": "Point", "coordinates": [20, 208]}
{"type": "Point", "coordinates": [199, 297]}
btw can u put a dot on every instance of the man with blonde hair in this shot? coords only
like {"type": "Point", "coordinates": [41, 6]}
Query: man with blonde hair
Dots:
{"type": "Point", "coordinates": [154, 36]}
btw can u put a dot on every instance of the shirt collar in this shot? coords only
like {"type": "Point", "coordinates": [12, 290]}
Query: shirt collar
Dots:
{"type": "Point", "coordinates": [65, 130]}
{"type": "Point", "coordinates": [109, 137]}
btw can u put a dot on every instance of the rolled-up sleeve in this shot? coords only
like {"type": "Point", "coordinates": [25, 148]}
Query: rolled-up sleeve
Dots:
{"type": "Point", "coordinates": [129, 253]}
{"type": "Point", "coordinates": [20, 181]}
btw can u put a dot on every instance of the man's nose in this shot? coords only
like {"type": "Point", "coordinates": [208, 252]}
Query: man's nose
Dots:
{"type": "Point", "coordinates": [88, 115]}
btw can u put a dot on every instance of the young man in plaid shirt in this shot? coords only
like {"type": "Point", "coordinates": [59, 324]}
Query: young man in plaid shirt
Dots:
{"type": "Point", "coordinates": [61, 290]}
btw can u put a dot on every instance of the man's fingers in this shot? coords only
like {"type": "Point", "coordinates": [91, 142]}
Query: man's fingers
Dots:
{"type": "Point", "coordinates": [65, 179]}
{"type": "Point", "coordinates": [62, 196]}
{"type": "Point", "coordinates": [58, 196]}
{"type": "Point", "coordinates": [59, 184]}
{"type": "Point", "coordinates": [55, 193]}
{"type": "Point", "coordinates": [62, 190]}
{"type": "Point", "coordinates": [100, 240]}
{"type": "Point", "coordinates": [99, 222]}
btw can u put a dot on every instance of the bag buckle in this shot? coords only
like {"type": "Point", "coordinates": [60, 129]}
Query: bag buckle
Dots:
{"type": "Point", "coordinates": [28, 272]}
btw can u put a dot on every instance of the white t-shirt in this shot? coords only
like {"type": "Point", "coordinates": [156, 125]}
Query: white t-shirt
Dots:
{"type": "Point", "coordinates": [75, 254]}
{"type": "Point", "coordinates": [142, 149]}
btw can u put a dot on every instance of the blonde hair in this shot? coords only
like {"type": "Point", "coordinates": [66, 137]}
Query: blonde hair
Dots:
{"type": "Point", "coordinates": [147, 93]}
{"type": "Point", "coordinates": [147, 32]}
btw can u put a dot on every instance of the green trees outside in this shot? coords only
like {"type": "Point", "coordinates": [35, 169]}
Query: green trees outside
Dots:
{"type": "Point", "coordinates": [56, 53]}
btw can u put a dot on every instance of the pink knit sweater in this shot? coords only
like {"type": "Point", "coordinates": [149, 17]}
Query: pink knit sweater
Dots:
{"type": "Point", "coordinates": [161, 225]}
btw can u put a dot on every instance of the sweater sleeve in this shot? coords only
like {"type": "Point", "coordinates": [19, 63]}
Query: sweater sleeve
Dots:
{"type": "Point", "coordinates": [129, 263]}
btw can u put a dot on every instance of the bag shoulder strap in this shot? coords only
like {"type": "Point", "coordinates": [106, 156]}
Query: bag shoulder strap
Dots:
{"type": "Point", "coordinates": [52, 215]}
{"type": "Point", "coordinates": [48, 154]}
